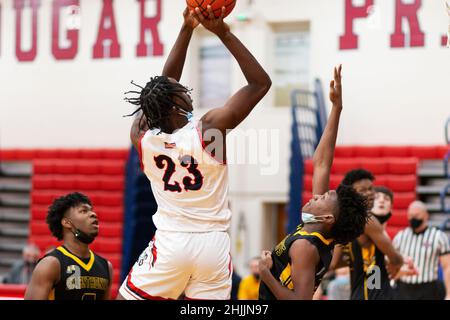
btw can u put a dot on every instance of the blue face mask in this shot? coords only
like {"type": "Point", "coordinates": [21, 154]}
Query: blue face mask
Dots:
{"type": "Point", "coordinates": [189, 115]}
{"type": "Point", "coordinates": [310, 218]}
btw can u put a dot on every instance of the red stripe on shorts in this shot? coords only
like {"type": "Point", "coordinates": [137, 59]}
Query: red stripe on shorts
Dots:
{"type": "Point", "coordinates": [194, 299]}
{"type": "Point", "coordinates": [154, 251]}
{"type": "Point", "coordinates": [139, 292]}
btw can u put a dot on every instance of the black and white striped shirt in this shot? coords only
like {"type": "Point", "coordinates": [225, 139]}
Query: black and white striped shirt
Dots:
{"type": "Point", "coordinates": [424, 248]}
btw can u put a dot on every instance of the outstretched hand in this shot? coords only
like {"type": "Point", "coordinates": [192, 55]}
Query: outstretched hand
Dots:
{"type": "Point", "coordinates": [189, 19]}
{"type": "Point", "coordinates": [213, 24]}
{"type": "Point", "coordinates": [336, 87]}
{"type": "Point", "coordinates": [407, 269]}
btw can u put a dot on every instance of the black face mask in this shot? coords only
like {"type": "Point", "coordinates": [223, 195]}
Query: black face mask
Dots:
{"type": "Point", "coordinates": [383, 219]}
{"type": "Point", "coordinates": [83, 237]}
{"type": "Point", "coordinates": [415, 223]}
{"type": "Point", "coordinates": [80, 235]}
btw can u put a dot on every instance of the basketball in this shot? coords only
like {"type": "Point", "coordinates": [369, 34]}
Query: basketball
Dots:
{"type": "Point", "coordinates": [215, 4]}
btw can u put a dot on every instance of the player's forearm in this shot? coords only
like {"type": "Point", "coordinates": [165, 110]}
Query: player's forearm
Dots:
{"type": "Point", "coordinates": [177, 57]}
{"type": "Point", "coordinates": [138, 127]}
{"type": "Point", "coordinates": [396, 259]}
{"type": "Point", "coordinates": [338, 260]}
{"type": "Point", "coordinates": [36, 293]}
{"type": "Point", "coordinates": [280, 292]}
{"type": "Point", "coordinates": [338, 265]}
{"type": "Point", "coordinates": [393, 257]}
{"type": "Point", "coordinates": [323, 156]}
{"type": "Point", "coordinates": [252, 70]}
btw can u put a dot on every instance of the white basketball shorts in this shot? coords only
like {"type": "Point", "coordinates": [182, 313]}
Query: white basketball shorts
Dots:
{"type": "Point", "coordinates": [196, 264]}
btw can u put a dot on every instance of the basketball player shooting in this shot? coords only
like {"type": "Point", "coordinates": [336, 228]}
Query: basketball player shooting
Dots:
{"type": "Point", "coordinates": [190, 251]}
{"type": "Point", "coordinates": [295, 268]}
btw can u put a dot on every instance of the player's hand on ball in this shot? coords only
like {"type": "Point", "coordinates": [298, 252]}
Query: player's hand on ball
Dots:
{"type": "Point", "coordinates": [213, 24]}
{"type": "Point", "coordinates": [266, 261]}
{"type": "Point", "coordinates": [189, 19]}
{"type": "Point", "coordinates": [336, 88]}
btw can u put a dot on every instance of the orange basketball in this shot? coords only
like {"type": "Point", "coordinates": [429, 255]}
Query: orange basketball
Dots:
{"type": "Point", "coordinates": [215, 4]}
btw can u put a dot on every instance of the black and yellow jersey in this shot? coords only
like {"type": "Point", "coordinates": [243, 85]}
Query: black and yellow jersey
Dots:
{"type": "Point", "coordinates": [81, 279]}
{"type": "Point", "coordinates": [281, 268]}
{"type": "Point", "coordinates": [368, 276]}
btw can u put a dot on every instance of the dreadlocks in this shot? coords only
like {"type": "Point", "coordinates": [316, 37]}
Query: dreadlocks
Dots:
{"type": "Point", "coordinates": [156, 100]}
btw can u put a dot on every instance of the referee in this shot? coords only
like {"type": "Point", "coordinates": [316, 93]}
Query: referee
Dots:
{"type": "Point", "coordinates": [427, 246]}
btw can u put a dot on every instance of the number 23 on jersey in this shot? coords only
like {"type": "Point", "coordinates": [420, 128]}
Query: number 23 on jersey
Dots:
{"type": "Point", "coordinates": [193, 181]}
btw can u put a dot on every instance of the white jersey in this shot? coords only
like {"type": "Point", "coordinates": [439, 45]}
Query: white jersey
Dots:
{"type": "Point", "coordinates": [190, 187]}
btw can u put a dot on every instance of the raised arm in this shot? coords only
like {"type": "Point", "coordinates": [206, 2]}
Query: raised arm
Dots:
{"type": "Point", "coordinates": [173, 68]}
{"type": "Point", "coordinates": [323, 156]}
{"type": "Point", "coordinates": [338, 261]}
{"type": "Point", "coordinates": [177, 57]}
{"type": "Point", "coordinates": [376, 233]}
{"type": "Point", "coordinates": [239, 106]}
{"type": "Point", "coordinates": [138, 128]}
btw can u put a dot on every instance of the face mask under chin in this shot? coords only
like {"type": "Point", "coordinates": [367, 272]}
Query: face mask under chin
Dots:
{"type": "Point", "coordinates": [310, 218]}
{"type": "Point", "coordinates": [82, 236]}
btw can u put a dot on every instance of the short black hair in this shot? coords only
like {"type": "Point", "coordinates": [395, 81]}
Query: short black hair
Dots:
{"type": "Point", "coordinates": [357, 175]}
{"type": "Point", "coordinates": [352, 216]}
{"type": "Point", "coordinates": [386, 191]}
{"type": "Point", "coordinates": [156, 99]}
{"type": "Point", "coordinates": [58, 209]}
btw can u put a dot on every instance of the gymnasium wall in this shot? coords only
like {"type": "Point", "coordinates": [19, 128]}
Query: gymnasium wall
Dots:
{"type": "Point", "coordinates": [81, 99]}
{"type": "Point", "coordinates": [392, 95]}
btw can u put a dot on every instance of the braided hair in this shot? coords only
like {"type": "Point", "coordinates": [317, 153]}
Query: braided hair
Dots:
{"type": "Point", "coordinates": [156, 99]}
